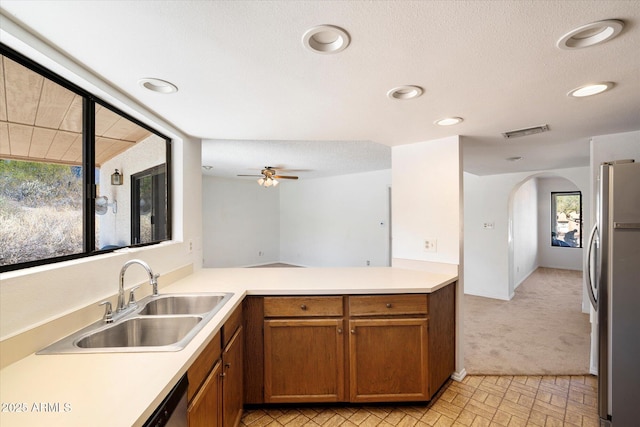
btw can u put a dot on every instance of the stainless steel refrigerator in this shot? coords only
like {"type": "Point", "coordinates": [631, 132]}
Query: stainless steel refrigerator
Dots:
{"type": "Point", "coordinates": [613, 267]}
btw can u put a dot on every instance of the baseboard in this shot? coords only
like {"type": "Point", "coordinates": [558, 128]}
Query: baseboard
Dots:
{"type": "Point", "coordinates": [487, 295]}
{"type": "Point", "coordinates": [525, 278]}
{"type": "Point", "coordinates": [459, 376]}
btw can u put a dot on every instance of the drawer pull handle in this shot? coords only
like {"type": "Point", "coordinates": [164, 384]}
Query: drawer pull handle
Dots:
{"type": "Point", "coordinates": [389, 305]}
{"type": "Point", "coordinates": [303, 307]}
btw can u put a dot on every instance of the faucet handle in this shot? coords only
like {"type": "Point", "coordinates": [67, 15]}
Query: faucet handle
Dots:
{"type": "Point", "coordinates": [132, 298]}
{"type": "Point", "coordinates": [108, 312]}
{"type": "Point", "coordinates": [154, 283]}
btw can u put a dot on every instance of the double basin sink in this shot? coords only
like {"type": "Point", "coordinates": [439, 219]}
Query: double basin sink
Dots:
{"type": "Point", "coordinates": [165, 322]}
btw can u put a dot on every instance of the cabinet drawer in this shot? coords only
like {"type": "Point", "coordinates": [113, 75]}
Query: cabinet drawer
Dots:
{"type": "Point", "coordinates": [231, 325]}
{"type": "Point", "coordinates": [302, 306]}
{"type": "Point", "coordinates": [387, 305]}
{"type": "Point", "coordinates": [203, 365]}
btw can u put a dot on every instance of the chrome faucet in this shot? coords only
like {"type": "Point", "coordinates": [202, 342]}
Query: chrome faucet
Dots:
{"type": "Point", "coordinates": [153, 281]}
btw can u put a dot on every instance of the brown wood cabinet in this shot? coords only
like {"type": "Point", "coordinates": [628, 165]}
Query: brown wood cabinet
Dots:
{"type": "Point", "coordinates": [304, 360]}
{"type": "Point", "coordinates": [303, 349]}
{"type": "Point", "coordinates": [232, 380]}
{"type": "Point", "coordinates": [203, 410]}
{"type": "Point", "coordinates": [216, 379]}
{"type": "Point", "coordinates": [388, 348]}
{"type": "Point", "coordinates": [362, 348]}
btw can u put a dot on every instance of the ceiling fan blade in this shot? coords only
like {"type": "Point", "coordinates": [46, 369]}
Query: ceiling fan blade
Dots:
{"type": "Point", "coordinates": [255, 176]}
{"type": "Point", "coordinates": [285, 177]}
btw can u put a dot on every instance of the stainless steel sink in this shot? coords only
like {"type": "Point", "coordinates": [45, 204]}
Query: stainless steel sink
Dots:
{"type": "Point", "coordinates": [166, 322]}
{"type": "Point", "coordinates": [180, 304]}
{"type": "Point", "coordinates": [141, 332]}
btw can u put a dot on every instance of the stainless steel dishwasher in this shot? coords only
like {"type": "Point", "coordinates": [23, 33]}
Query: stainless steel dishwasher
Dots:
{"type": "Point", "coordinates": [172, 412]}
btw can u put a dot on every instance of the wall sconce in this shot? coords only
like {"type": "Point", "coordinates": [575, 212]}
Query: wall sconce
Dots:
{"type": "Point", "coordinates": [116, 178]}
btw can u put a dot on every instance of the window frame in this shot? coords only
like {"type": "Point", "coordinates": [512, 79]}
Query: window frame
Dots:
{"type": "Point", "coordinates": [554, 220]}
{"type": "Point", "coordinates": [88, 164]}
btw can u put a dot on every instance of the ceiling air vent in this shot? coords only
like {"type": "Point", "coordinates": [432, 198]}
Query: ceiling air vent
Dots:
{"type": "Point", "coordinates": [524, 132]}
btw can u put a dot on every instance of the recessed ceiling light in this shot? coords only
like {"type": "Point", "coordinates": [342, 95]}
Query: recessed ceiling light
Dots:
{"type": "Point", "coordinates": [448, 121]}
{"type": "Point", "coordinates": [590, 89]}
{"type": "Point", "coordinates": [514, 159]}
{"type": "Point", "coordinates": [326, 39]}
{"type": "Point", "coordinates": [157, 85]}
{"type": "Point", "coordinates": [405, 92]}
{"type": "Point", "coordinates": [590, 34]}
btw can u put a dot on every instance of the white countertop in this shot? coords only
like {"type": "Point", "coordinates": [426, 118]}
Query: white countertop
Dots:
{"type": "Point", "coordinates": [123, 389]}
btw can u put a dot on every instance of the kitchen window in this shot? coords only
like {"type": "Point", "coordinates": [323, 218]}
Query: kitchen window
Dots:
{"type": "Point", "coordinates": [70, 166]}
{"type": "Point", "coordinates": [566, 219]}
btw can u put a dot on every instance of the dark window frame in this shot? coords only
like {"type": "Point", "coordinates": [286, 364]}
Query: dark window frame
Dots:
{"type": "Point", "coordinates": [88, 163]}
{"type": "Point", "coordinates": [554, 194]}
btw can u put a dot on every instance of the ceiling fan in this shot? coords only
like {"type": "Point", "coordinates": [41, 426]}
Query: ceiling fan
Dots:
{"type": "Point", "coordinates": [269, 175]}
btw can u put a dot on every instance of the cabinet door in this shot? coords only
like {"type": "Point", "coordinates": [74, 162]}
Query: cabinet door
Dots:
{"type": "Point", "coordinates": [388, 360]}
{"type": "Point", "coordinates": [304, 360]}
{"type": "Point", "coordinates": [232, 381]}
{"type": "Point", "coordinates": [204, 410]}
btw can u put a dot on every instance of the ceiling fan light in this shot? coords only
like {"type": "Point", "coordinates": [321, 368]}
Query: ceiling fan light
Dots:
{"type": "Point", "coordinates": [275, 182]}
{"type": "Point", "coordinates": [261, 181]}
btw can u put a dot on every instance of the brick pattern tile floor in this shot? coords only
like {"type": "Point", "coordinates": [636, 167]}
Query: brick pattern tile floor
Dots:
{"type": "Point", "coordinates": [486, 401]}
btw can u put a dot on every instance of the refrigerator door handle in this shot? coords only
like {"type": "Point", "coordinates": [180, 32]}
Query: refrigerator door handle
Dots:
{"type": "Point", "coordinates": [587, 273]}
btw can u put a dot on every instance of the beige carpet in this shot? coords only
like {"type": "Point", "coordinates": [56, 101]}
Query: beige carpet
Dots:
{"type": "Point", "coordinates": [541, 331]}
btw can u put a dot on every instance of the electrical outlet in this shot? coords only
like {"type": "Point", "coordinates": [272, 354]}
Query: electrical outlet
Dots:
{"type": "Point", "coordinates": [368, 262]}
{"type": "Point", "coordinates": [430, 245]}
{"type": "Point", "coordinates": [488, 225]}
{"type": "Point", "coordinates": [190, 246]}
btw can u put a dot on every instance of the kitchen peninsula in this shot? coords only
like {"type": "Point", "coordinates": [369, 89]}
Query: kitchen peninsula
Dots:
{"type": "Point", "coordinates": [125, 388]}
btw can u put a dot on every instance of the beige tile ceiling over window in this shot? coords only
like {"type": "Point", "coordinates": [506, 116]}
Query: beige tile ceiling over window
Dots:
{"type": "Point", "coordinates": [42, 121]}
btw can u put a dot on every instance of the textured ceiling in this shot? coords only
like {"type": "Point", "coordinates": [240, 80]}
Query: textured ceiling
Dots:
{"type": "Point", "coordinates": [243, 73]}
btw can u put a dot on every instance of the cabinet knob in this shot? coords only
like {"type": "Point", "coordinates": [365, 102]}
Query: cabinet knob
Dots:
{"type": "Point", "coordinates": [353, 331]}
{"type": "Point", "coordinates": [389, 305]}
{"type": "Point", "coordinates": [222, 375]}
{"type": "Point", "coordinates": [227, 365]}
{"type": "Point", "coordinates": [339, 330]}
{"type": "Point", "coordinates": [303, 307]}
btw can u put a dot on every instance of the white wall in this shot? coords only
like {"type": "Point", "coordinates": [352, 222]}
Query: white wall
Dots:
{"type": "Point", "coordinates": [557, 256]}
{"type": "Point", "coordinates": [525, 231]}
{"type": "Point", "coordinates": [426, 200]}
{"type": "Point", "coordinates": [33, 296]}
{"type": "Point", "coordinates": [427, 203]}
{"type": "Point", "coordinates": [487, 251]}
{"type": "Point", "coordinates": [340, 221]}
{"type": "Point", "coordinates": [241, 222]}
